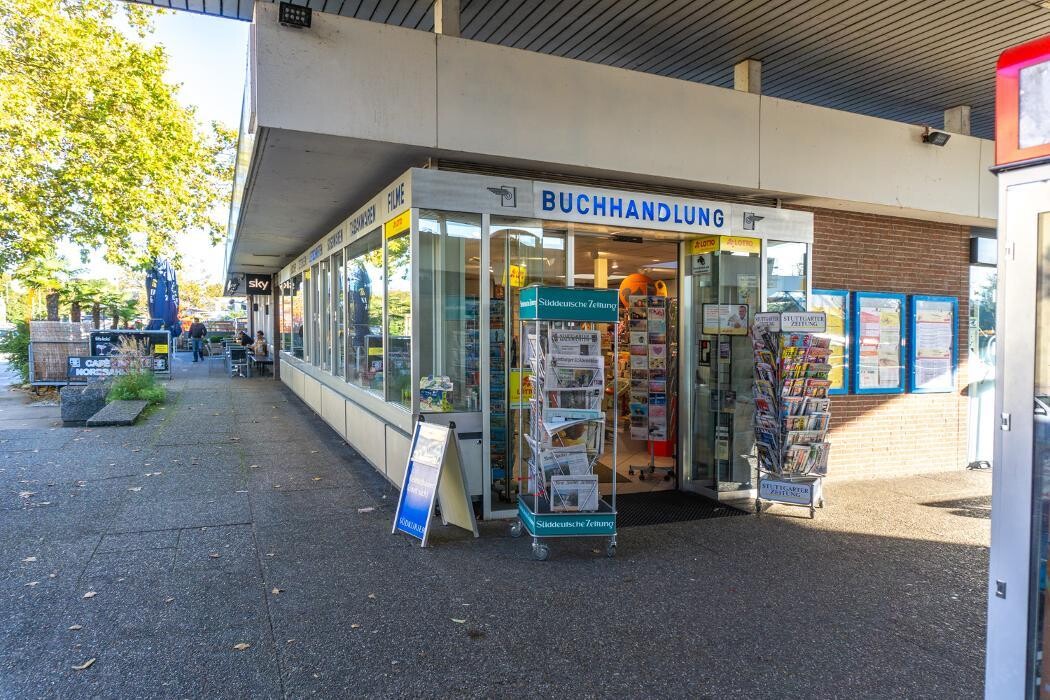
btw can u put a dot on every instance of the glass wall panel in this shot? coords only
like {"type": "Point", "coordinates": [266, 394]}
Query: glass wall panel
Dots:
{"type": "Point", "coordinates": [449, 293]}
{"type": "Point", "coordinates": [315, 326]}
{"type": "Point", "coordinates": [398, 331]}
{"type": "Point", "coordinates": [295, 318]}
{"type": "Point", "coordinates": [285, 324]}
{"type": "Point", "coordinates": [522, 252]}
{"type": "Point", "coordinates": [1038, 619]}
{"type": "Point", "coordinates": [338, 314]}
{"type": "Point", "coordinates": [786, 272]}
{"type": "Point", "coordinates": [324, 313]}
{"type": "Point", "coordinates": [364, 291]}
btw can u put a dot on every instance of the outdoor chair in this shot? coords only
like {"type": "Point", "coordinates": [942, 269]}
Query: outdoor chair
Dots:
{"type": "Point", "coordinates": [238, 360]}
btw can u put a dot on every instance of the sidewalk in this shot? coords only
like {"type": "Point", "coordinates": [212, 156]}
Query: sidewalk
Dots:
{"type": "Point", "coordinates": [233, 516]}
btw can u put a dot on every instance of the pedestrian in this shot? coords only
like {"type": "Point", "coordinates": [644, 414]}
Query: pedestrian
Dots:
{"type": "Point", "coordinates": [197, 332]}
{"type": "Point", "coordinates": [260, 349]}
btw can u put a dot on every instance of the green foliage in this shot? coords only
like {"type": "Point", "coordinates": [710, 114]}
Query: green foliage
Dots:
{"type": "Point", "coordinates": [137, 386]}
{"type": "Point", "coordinates": [16, 346]}
{"type": "Point", "coordinates": [94, 146]}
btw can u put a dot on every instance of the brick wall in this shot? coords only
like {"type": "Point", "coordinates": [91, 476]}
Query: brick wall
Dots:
{"type": "Point", "coordinates": [899, 433]}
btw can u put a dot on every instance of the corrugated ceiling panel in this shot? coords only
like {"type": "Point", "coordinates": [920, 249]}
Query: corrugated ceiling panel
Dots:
{"type": "Point", "coordinates": [906, 60]}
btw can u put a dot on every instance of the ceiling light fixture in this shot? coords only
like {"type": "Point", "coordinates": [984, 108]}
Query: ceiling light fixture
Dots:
{"type": "Point", "coordinates": [935, 138]}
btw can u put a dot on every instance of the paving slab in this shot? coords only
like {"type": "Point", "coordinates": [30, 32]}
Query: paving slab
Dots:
{"type": "Point", "coordinates": [883, 593]}
{"type": "Point", "coordinates": [118, 413]}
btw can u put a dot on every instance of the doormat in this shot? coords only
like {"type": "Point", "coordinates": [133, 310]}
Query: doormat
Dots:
{"type": "Point", "coordinates": [660, 507]}
{"type": "Point", "coordinates": [605, 475]}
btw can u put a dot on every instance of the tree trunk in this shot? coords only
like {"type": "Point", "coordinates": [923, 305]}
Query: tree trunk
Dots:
{"type": "Point", "coordinates": [52, 306]}
{"type": "Point", "coordinates": [74, 311]}
{"type": "Point", "coordinates": [116, 318]}
{"type": "Point", "coordinates": [96, 315]}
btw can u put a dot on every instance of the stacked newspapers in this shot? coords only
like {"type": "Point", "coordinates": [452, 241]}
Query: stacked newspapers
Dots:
{"type": "Point", "coordinates": [567, 424]}
{"type": "Point", "coordinates": [792, 408]}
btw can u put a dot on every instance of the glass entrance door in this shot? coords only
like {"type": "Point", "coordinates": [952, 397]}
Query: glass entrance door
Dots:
{"type": "Point", "coordinates": [521, 253]}
{"type": "Point", "coordinates": [1018, 655]}
{"type": "Point", "coordinates": [724, 289]}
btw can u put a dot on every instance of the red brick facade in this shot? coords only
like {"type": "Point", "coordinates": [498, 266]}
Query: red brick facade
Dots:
{"type": "Point", "coordinates": [899, 433]}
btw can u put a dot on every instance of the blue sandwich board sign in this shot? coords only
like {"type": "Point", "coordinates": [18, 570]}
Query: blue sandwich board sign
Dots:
{"type": "Point", "coordinates": [570, 304]}
{"type": "Point", "coordinates": [433, 474]}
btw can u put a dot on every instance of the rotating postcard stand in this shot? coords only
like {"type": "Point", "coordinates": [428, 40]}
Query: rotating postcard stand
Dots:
{"type": "Point", "coordinates": [566, 431]}
{"type": "Point", "coordinates": [792, 408]}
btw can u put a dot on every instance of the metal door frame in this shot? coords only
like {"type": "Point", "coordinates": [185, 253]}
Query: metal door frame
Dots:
{"type": "Point", "coordinates": [1023, 195]}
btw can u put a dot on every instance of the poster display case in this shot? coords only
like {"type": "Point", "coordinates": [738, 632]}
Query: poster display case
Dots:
{"type": "Point", "coordinates": [878, 343]}
{"type": "Point", "coordinates": [835, 305]}
{"type": "Point", "coordinates": [933, 350]}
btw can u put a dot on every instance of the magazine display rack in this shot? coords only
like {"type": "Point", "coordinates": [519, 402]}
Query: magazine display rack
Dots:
{"type": "Point", "coordinates": [565, 430]}
{"type": "Point", "coordinates": [792, 408]}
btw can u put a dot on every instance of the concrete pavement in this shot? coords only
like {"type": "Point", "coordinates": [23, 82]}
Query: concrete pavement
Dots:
{"type": "Point", "coordinates": [232, 516]}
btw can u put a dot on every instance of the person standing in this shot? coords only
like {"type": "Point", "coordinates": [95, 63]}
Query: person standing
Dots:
{"type": "Point", "coordinates": [197, 333]}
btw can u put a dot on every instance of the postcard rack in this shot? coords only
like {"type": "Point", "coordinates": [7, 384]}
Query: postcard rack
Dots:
{"type": "Point", "coordinates": [792, 408]}
{"type": "Point", "coordinates": [563, 434]}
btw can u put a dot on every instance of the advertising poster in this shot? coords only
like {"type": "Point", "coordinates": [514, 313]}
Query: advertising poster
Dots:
{"type": "Point", "coordinates": [879, 324]}
{"type": "Point", "coordinates": [933, 361]}
{"type": "Point", "coordinates": [725, 319]}
{"type": "Point", "coordinates": [834, 305]}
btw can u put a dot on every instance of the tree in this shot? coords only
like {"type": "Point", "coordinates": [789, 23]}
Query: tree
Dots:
{"type": "Point", "coordinates": [79, 293]}
{"type": "Point", "coordinates": [94, 146]}
{"type": "Point", "coordinates": [198, 294]}
{"type": "Point", "coordinates": [45, 274]}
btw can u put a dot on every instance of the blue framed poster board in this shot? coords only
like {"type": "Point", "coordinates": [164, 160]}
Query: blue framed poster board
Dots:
{"type": "Point", "coordinates": [933, 353]}
{"type": "Point", "coordinates": [834, 303]}
{"type": "Point", "coordinates": [878, 341]}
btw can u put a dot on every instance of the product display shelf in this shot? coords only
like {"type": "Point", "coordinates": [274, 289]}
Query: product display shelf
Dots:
{"type": "Point", "coordinates": [792, 408]}
{"type": "Point", "coordinates": [565, 435]}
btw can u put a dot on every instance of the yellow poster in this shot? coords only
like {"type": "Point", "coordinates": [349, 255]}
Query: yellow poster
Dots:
{"type": "Point", "coordinates": [517, 275]}
{"type": "Point", "coordinates": [520, 388]}
{"type": "Point", "coordinates": [704, 244]}
{"type": "Point", "coordinates": [740, 244]}
{"type": "Point", "coordinates": [160, 349]}
{"type": "Point", "coordinates": [834, 308]}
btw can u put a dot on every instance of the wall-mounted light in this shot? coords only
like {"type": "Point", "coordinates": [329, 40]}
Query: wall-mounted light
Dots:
{"type": "Point", "coordinates": [935, 138]}
{"type": "Point", "coordinates": [290, 15]}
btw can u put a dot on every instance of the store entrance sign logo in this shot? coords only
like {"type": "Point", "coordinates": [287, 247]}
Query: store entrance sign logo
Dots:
{"type": "Point", "coordinates": [631, 209]}
{"type": "Point", "coordinates": [508, 196]}
{"type": "Point", "coordinates": [750, 219]}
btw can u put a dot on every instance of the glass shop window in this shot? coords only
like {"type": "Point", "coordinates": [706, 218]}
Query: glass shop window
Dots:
{"type": "Point", "coordinates": [398, 332]}
{"type": "Point", "coordinates": [449, 297]}
{"type": "Point", "coordinates": [787, 265]}
{"type": "Point", "coordinates": [364, 293]}
{"type": "Point", "coordinates": [338, 314]}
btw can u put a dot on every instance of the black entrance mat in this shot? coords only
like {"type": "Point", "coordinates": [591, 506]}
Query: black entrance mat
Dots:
{"type": "Point", "coordinates": [659, 507]}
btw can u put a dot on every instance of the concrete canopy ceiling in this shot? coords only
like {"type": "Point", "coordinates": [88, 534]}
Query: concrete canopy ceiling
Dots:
{"type": "Point", "coordinates": [905, 60]}
{"type": "Point", "coordinates": [298, 180]}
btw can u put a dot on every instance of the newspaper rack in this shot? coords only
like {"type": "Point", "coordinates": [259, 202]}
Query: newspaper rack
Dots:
{"type": "Point", "coordinates": [792, 408]}
{"type": "Point", "coordinates": [566, 421]}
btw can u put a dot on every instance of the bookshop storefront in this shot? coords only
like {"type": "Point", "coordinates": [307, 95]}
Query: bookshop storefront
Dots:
{"type": "Point", "coordinates": [410, 307]}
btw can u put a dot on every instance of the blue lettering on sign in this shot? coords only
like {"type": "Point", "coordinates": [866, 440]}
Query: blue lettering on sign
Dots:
{"type": "Point", "coordinates": [363, 220]}
{"type": "Point", "coordinates": [638, 209]}
{"type": "Point", "coordinates": [548, 200]}
{"type": "Point", "coordinates": [395, 197]}
{"type": "Point", "coordinates": [316, 253]}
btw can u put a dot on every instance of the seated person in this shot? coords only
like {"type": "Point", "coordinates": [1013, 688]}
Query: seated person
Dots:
{"type": "Point", "coordinates": [260, 349]}
{"type": "Point", "coordinates": [245, 339]}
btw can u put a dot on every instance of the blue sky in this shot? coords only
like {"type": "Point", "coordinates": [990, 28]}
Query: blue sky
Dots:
{"type": "Point", "coordinates": [206, 58]}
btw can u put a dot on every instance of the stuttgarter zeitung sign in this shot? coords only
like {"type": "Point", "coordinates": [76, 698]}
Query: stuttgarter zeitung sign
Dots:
{"type": "Point", "coordinates": [632, 209]}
